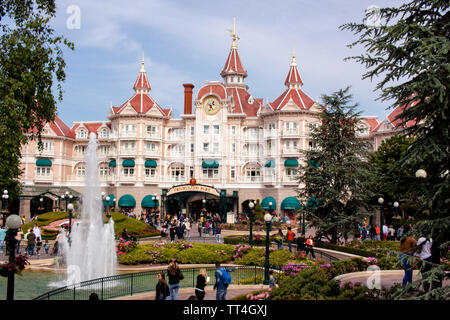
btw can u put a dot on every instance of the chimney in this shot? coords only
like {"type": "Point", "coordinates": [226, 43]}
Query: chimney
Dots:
{"type": "Point", "coordinates": [188, 97]}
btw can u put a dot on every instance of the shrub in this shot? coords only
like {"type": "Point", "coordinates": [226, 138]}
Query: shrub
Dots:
{"type": "Point", "coordinates": [134, 227]}
{"type": "Point", "coordinates": [312, 283]}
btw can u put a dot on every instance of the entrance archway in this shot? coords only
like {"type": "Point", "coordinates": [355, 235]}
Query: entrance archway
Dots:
{"type": "Point", "coordinates": [38, 207]}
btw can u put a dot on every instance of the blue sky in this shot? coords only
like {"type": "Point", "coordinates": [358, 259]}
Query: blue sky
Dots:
{"type": "Point", "coordinates": [188, 42]}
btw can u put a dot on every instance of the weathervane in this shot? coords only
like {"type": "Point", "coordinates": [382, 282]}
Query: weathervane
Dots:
{"type": "Point", "coordinates": [233, 34]}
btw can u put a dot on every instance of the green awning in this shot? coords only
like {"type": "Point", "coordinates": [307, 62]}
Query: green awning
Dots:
{"type": "Point", "coordinates": [270, 164]}
{"type": "Point", "coordinates": [128, 163]}
{"type": "Point", "coordinates": [127, 200]}
{"type": "Point", "coordinates": [112, 163]}
{"type": "Point", "coordinates": [265, 203]}
{"type": "Point", "coordinates": [290, 203]}
{"type": "Point", "coordinates": [110, 203]}
{"type": "Point", "coordinates": [148, 202]}
{"type": "Point", "coordinates": [291, 163]}
{"type": "Point", "coordinates": [150, 164]}
{"type": "Point", "coordinates": [210, 164]}
{"type": "Point", "coordinates": [43, 162]}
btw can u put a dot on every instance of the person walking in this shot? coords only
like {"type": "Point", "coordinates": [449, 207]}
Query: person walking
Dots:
{"type": "Point", "coordinates": [200, 228]}
{"type": "Point", "coordinates": [407, 247]}
{"type": "Point", "coordinates": [279, 239]}
{"type": "Point", "coordinates": [301, 243]}
{"type": "Point", "coordinates": [400, 232]}
{"type": "Point", "coordinates": [31, 238]}
{"type": "Point", "coordinates": [385, 232]}
{"type": "Point", "coordinates": [19, 238]}
{"type": "Point", "coordinates": [290, 238]}
{"type": "Point", "coordinates": [2, 237]}
{"type": "Point", "coordinates": [223, 279]}
{"type": "Point", "coordinates": [424, 245]}
{"type": "Point", "coordinates": [38, 246]}
{"type": "Point", "coordinates": [372, 232]}
{"type": "Point", "coordinates": [172, 232]}
{"type": "Point", "coordinates": [363, 234]}
{"type": "Point", "coordinates": [162, 289]}
{"type": "Point", "coordinates": [377, 233]}
{"type": "Point", "coordinates": [187, 224]}
{"type": "Point", "coordinates": [202, 281]}
{"type": "Point", "coordinates": [217, 231]}
{"type": "Point", "coordinates": [272, 281]}
{"type": "Point", "coordinates": [310, 247]}
{"type": "Point", "coordinates": [46, 247]}
{"type": "Point", "coordinates": [175, 276]}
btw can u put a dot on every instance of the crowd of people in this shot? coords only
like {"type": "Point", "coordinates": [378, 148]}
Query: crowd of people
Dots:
{"type": "Point", "coordinates": [373, 231]}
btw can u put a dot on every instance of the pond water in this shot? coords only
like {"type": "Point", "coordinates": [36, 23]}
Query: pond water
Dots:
{"type": "Point", "coordinates": [31, 284]}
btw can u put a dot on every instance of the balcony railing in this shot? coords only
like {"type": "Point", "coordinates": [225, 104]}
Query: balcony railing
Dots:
{"type": "Point", "coordinates": [252, 179]}
{"type": "Point", "coordinates": [44, 178]}
{"type": "Point", "coordinates": [128, 178]}
{"type": "Point", "coordinates": [152, 135]}
{"type": "Point", "coordinates": [291, 132]}
{"type": "Point", "coordinates": [47, 153]}
{"type": "Point", "coordinates": [128, 134]}
{"type": "Point", "coordinates": [152, 152]}
{"type": "Point", "coordinates": [151, 179]}
{"type": "Point", "coordinates": [176, 178]}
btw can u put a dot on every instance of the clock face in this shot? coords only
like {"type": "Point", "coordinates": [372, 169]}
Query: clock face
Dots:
{"type": "Point", "coordinates": [211, 105]}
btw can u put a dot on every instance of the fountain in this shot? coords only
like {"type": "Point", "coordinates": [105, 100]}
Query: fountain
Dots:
{"type": "Point", "coordinates": [90, 252]}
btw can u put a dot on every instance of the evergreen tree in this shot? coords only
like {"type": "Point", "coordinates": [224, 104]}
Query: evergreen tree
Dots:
{"type": "Point", "coordinates": [409, 52]}
{"type": "Point", "coordinates": [30, 60]}
{"type": "Point", "coordinates": [389, 178]}
{"type": "Point", "coordinates": [258, 212]}
{"type": "Point", "coordinates": [336, 176]}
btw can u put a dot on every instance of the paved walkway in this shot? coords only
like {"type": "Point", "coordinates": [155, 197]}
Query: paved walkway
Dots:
{"type": "Point", "coordinates": [386, 278]}
{"type": "Point", "coordinates": [185, 293]}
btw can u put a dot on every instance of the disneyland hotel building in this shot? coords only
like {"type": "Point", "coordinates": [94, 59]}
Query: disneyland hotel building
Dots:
{"type": "Point", "coordinates": [227, 148]}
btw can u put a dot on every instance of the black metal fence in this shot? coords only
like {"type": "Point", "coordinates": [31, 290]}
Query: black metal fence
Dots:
{"type": "Point", "coordinates": [132, 283]}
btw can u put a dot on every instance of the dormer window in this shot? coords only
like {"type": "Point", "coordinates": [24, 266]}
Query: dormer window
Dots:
{"type": "Point", "coordinates": [104, 133]}
{"type": "Point", "coordinates": [82, 134]}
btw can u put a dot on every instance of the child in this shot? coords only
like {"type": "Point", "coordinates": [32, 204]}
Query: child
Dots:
{"type": "Point", "coordinates": [46, 246]}
{"type": "Point", "coordinates": [38, 246]}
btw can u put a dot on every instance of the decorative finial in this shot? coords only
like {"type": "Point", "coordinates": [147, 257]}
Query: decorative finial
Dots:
{"type": "Point", "coordinates": [233, 34]}
{"type": "Point", "coordinates": [293, 63]}
{"type": "Point", "coordinates": [142, 63]}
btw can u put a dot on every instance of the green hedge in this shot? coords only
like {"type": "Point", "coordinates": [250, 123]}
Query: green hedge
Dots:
{"type": "Point", "coordinates": [134, 227]}
{"type": "Point", "coordinates": [196, 253]}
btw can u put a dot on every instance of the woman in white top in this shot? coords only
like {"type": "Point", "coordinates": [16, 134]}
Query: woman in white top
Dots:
{"type": "Point", "coordinates": [187, 224]}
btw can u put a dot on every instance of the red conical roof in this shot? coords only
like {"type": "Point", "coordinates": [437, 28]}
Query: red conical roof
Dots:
{"type": "Point", "coordinates": [233, 65]}
{"type": "Point", "coordinates": [142, 81]}
{"type": "Point", "coordinates": [293, 76]}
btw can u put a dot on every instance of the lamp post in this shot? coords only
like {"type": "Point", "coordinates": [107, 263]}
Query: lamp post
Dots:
{"type": "Point", "coordinates": [5, 197]}
{"type": "Point", "coordinates": [70, 207]}
{"type": "Point", "coordinates": [251, 205]}
{"type": "Point", "coordinates": [14, 222]}
{"type": "Point", "coordinates": [381, 201]}
{"type": "Point", "coordinates": [268, 220]}
{"type": "Point", "coordinates": [155, 203]}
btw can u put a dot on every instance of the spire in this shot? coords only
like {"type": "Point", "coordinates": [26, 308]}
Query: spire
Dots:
{"type": "Point", "coordinates": [141, 85]}
{"type": "Point", "coordinates": [293, 76]}
{"type": "Point", "coordinates": [233, 65]}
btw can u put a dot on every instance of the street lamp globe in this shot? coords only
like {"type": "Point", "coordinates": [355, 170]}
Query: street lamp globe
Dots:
{"type": "Point", "coordinates": [204, 200]}
{"type": "Point", "coordinates": [103, 193]}
{"type": "Point", "coordinates": [71, 196]}
{"type": "Point", "coordinates": [396, 204]}
{"type": "Point", "coordinates": [421, 174]}
{"type": "Point", "coordinates": [6, 196]}
{"type": "Point", "coordinates": [267, 217]}
{"type": "Point", "coordinates": [108, 198]}
{"type": "Point", "coordinates": [70, 206]}
{"type": "Point", "coordinates": [5, 191]}
{"type": "Point", "coordinates": [153, 198]}
{"type": "Point", "coordinates": [380, 200]}
{"type": "Point", "coordinates": [13, 222]}
{"type": "Point", "coordinates": [251, 205]}
{"type": "Point", "coordinates": [157, 198]}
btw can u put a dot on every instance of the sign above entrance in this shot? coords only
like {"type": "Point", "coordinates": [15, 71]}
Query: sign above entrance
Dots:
{"type": "Point", "coordinates": [193, 188]}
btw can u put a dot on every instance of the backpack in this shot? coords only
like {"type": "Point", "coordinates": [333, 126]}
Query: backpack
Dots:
{"type": "Point", "coordinates": [225, 277]}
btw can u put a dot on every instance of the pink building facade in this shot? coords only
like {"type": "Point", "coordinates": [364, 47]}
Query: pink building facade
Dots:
{"type": "Point", "coordinates": [228, 141]}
